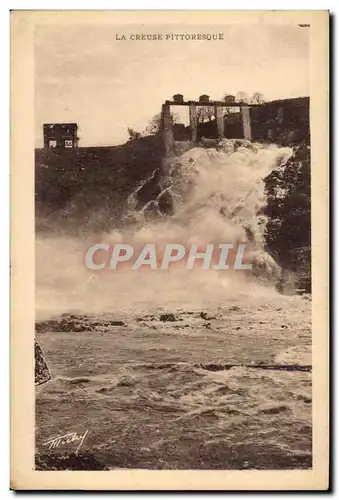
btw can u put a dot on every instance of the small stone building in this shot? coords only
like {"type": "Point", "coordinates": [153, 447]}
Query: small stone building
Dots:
{"type": "Point", "coordinates": [60, 135]}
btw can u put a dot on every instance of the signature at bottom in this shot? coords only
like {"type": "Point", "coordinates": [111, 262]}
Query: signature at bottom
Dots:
{"type": "Point", "coordinates": [71, 437]}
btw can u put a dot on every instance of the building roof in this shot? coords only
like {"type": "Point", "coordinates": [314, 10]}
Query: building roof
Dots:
{"type": "Point", "coordinates": [50, 125]}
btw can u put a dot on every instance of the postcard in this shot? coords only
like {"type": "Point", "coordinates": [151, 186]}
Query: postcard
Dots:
{"type": "Point", "coordinates": [169, 271]}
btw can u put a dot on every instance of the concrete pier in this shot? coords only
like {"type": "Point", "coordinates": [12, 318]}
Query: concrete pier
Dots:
{"type": "Point", "coordinates": [246, 121]}
{"type": "Point", "coordinates": [220, 121]}
{"type": "Point", "coordinates": [193, 122]}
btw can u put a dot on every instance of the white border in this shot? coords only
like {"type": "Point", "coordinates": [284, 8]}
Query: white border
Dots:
{"type": "Point", "coordinates": [4, 171]}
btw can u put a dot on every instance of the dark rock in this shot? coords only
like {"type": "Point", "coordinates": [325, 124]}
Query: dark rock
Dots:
{"type": "Point", "coordinates": [73, 323]}
{"type": "Point", "coordinates": [117, 323]}
{"type": "Point", "coordinates": [72, 326]}
{"type": "Point", "coordinates": [235, 309]}
{"type": "Point", "coordinates": [126, 381]}
{"type": "Point", "coordinates": [167, 317]}
{"type": "Point", "coordinates": [204, 315]}
{"type": "Point", "coordinates": [42, 374]}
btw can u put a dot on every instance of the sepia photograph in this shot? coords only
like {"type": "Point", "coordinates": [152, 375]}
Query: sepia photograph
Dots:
{"type": "Point", "coordinates": [173, 243]}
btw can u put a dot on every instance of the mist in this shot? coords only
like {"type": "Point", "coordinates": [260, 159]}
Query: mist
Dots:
{"type": "Point", "coordinates": [217, 196]}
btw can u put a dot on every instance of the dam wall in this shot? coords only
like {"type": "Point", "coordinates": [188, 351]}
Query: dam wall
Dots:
{"type": "Point", "coordinates": [80, 185]}
{"type": "Point", "coordinates": [89, 186]}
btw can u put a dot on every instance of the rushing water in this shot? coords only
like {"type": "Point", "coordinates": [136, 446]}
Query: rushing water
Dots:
{"type": "Point", "coordinates": [182, 368]}
{"type": "Point", "coordinates": [227, 387]}
{"type": "Point", "coordinates": [217, 198]}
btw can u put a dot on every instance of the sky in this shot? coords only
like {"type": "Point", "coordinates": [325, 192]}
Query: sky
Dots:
{"type": "Point", "coordinates": [85, 74]}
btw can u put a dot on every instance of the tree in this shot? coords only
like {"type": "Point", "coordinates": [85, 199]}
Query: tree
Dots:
{"type": "Point", "coordinates": [257, 98]}
{"type": "Point", "coordinates": [133, 134]}
{"type": "Point", "coordinates": [155, 124]}
{"type": "Point", "coordinates": [205, 113]}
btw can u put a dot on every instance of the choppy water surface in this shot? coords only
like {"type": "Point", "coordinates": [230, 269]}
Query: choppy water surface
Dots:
{"type": "Point", "coordinates": [228, 387]}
